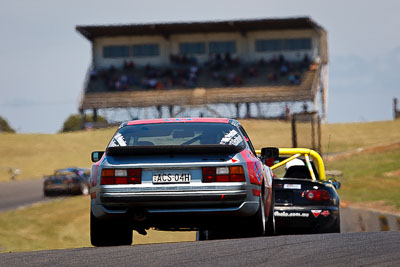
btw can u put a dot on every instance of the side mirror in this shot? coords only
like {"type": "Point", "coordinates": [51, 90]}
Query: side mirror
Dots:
{"type": "Point", "coordinates": [269, 155]}
{"type": "Point", "coordinates": [97, 155]}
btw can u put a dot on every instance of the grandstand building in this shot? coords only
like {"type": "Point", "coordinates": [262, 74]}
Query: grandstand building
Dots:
{"type": "Point", "coordinates": [213, 68]}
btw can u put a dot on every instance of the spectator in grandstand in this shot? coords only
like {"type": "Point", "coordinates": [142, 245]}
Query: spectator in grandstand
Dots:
{"type": "Point", "coordinates": [287, 112]}
{"type": "Point", "coordinates": [93, 74]}
{"type": "Point", "coordinates": [230, 79]}
{"type": "Point", "coordinates": [124, 82]}
{"type": "Point", "coordinates": [272, 76]}
{"type": "Point", "coordinates": [131, 80]}
{"type": "Point", "coordinates": [284, 70]}
{"type": "Point", "coordinates": [131, 65]}
{"type": "Point", "coordinates": [117, 85]}
{"type": "Point", "coordinates": [215, 75]}
{"type": "Point", "coordinates": [194, 69]}
{"type": "Point", "coordinates": [238, 80]}
{"type": "Point", "coordinates": [297, 79]}
{"type": "Point", "coordinates": [159, 86]}
{"type": "Point", "coordinates": [281, 59]}
{"type": "Point", "coordinates": [152, 83]}
{"type": "Point", "coordinates": [305, 62]}
{"type": "Point", "coordinates": [228, 59]}
{"type": "Point", "coordinates": [252, 71]}
{"type": "Point", "coordinates": [313, 66]}
{"type": "Point", "coordinates": [292, 78]}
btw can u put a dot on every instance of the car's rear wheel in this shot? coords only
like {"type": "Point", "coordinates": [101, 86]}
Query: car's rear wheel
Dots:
{"type": "Point", "coordinates": [336, 227]}
{"type": "Point", "coordinates": [257, 226]}
{"type": "Point", "coordinates": [202, 235]}
{"type": "Point", "coordinates": [46, 193]}
{"type": "Point", "coordinates": [270, 227]}
{"type": "Point", "coordinates": [106, 233]}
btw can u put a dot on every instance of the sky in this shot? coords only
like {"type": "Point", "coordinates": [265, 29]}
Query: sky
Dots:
{"type": "Point", "coordinates": [43, 60]}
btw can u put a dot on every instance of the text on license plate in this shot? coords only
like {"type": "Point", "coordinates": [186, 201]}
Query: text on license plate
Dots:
{"type": "Point", "coordinates": [292, 186]}
{"type": "Point", "coordinates": [171, 177]}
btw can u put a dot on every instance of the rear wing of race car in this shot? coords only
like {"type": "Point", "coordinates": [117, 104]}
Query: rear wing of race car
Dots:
{"type": "Point", "coordinates": [293, 153]}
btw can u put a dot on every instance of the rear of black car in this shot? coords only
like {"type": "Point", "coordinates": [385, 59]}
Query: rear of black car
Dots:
{"type": "Point", "coordinates": [305, 206]}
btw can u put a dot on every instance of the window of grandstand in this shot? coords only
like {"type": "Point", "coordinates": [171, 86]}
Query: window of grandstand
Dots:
{"type": "Point", "coordinates": [222, 47]}
{"type": "Point", "coordinates": [265, 45]}
{"type": "Point", "coordinates": [269, 45]}
{"type": "Point", "coordinates": [192, 48]}
{"type": "Point", "coordinates": [297, 44]}
{"type": "Point", "coordinates": [113, 51]}
{"type": "Point", "coordinates": [145, 50]}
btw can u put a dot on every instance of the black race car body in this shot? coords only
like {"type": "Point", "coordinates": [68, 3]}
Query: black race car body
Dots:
{"type": "Point", "coordinates": [305, 200]}
{"type": "Point", "coordinates": [67, 181]}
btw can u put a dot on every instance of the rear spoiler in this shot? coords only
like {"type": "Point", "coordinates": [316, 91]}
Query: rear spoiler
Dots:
{"type": "Point", "coordinates": [178, 149]}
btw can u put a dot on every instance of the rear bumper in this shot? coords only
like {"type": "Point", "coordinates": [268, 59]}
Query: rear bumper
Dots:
{"type": "Point", "coordinates": [306, 219]}
{"type": "Point", "coordinates": [179, 218]}
{"type": "Point", "coordinates": [176, 206]}
{"type": "Point", "coordinates": [159, 198]}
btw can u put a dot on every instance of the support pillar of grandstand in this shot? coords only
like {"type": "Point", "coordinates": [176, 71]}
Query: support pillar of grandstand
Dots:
{"type": "Point", "coordinates": [95, 115]}
{"type": "Point", "coordinates": [248, 111]}
{"type": "Point", "coordinates": [83, 118]}
{"type": "Point", "coordinates": [396, 110]}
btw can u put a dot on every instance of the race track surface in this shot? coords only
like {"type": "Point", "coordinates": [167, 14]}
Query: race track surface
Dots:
{"type": "Point", "coordinates": [17, 194]}
{"type": "Point", "coordinates": [351, 249]}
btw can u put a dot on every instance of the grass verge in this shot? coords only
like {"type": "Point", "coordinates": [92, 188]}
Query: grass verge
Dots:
{"type": "Point", "coordinates": [370, 177]}
{"type": "Point", "coordinates": [62, 223]}
{"type": "Point", "coordinates": [40, 154]}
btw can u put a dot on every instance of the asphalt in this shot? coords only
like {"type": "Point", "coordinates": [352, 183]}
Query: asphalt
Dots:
{"type": "Point", "coordinates": [18, 194]}
{"type": "Point", "coordinates": [350, 249]}
{"type": "Point", "coordinates": [359, 244]}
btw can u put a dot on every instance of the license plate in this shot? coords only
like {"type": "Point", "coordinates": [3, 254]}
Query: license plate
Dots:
{"type": "Point", "coordinates": [292, 186]}
{"type": "Point", "coordinates": [171, 177]}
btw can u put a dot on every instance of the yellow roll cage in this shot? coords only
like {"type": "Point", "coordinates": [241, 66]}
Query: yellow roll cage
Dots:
{"type": "Point", "coordinates": [307, 153]}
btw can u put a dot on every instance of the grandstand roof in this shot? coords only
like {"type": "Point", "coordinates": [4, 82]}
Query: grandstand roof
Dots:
{"type": "Point", "coordinates": [93, 31]}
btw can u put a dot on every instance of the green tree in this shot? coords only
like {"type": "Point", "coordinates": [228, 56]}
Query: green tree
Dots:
{"type": "Point", "coordinates": [74, 122]}
{"type": "Point", "coordinates": [5, 127]}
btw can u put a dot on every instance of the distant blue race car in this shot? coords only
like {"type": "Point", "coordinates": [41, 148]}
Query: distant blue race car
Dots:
{"type": "Point", "coordinates": [198, 174]}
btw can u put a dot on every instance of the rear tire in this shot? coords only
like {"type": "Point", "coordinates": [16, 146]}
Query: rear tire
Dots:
{"type": "Point", "coordinates": [257, 225]}
{"type": "Point", "coordinates": [46, 193]}
{"type": "Point", "coordinates": [336, 227]}
{"type": "Point", "coordinates": [270, 227]}
{"type": "Point", "coordinates": [202, 235]}
{"type": "Point", "coordinates": [104, 233]}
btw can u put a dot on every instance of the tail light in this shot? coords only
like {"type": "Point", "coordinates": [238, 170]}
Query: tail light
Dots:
{"type": "Point", "coordinates": [318, 195]}
{"type": "Point", "coordinates": [121, 176]}
{"type": "Point", "coordinates": [223, 174]}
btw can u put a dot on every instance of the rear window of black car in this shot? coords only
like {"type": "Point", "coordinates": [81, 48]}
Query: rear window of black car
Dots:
{"type": "Point", "coordinates": [167, 134]}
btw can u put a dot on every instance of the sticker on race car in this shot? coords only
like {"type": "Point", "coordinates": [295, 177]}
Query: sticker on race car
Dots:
{"type": "Point", "coordinates": [325, 213]}
{"type": "Point", "coordinates": [316, 213]}
{"type": "Point", "coordinates": [118, 140]}
{"type": "Point", "coordinates": [231, 138]}
{"type": "Point", "coordinates": [292, 186]}
{"type": "Point", "coordinates": [291, 214]}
